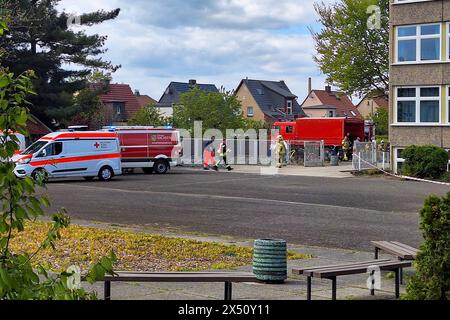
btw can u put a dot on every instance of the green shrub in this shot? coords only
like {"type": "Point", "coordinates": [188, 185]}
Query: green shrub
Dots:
{"type": "Point", "coordinates": [425, 162]}
{"type": "Point", "coordinates": [446, 177]}
{"type": "Point", "coordinates": [432, 278]}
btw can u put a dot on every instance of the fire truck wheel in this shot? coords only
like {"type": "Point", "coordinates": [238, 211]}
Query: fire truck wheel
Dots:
{"type": "Point", "coordinates": [40, 174]}
{"type": "Point", "coordinates": [160, 166]}
{"type": "Point", "coordinates": [147, 170]}
{"type": "Point", "coordinates": [105, 173]}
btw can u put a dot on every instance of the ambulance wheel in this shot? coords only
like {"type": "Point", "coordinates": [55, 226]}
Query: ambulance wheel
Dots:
{"type": "Point", "coordinates": [161, 166]}
{"type": "Point", "coordinates": [147, 170]}
{"type": "Point", "coordinates": [105, 173]}
{"type": "Point", "coordinates": [40, 174]}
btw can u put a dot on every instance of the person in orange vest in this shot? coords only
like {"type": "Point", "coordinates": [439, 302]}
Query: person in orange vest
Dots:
{"type": "Point", "coordinates": [209, 153]}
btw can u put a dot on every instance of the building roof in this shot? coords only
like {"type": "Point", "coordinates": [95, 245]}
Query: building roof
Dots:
{"type": "Point", "coordinates": [344, 106]}
{"type": "Point", "coordinates": [271, 96]}
{"type": "Point", "coordinates": [380, 100]}
{"type": "Point", "coordinates": [172, 94]}
{"type": "Point", "coordinates": [35, 127]}
{"type": "Point", "coordinates": [119, 93]}
{"type": "Point", "coordinates": [144, 100]}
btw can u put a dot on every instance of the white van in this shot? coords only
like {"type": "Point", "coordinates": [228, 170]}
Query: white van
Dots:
{"type": "Point", "coordinates": [71, 154]}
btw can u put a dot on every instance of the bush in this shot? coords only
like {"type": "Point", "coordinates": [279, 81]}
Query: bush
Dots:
{"type": "Point", "coordinates": [446, 177]}
{"type": "Point", "coordinates": [425, 161]}
{"type": "Point", "coordinates": [432, 278]}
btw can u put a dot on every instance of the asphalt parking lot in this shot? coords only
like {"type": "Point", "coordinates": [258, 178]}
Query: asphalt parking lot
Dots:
{"type": "Point", "coordinates": [337, 213]}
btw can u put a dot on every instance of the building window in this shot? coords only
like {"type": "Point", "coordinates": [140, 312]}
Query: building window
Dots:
{"type": "Point", "coordinates": [418, 105]}
{"type": "Point", "coordinates": [419, 43]}
{"type": "Point", "coordinates": [119, 108]}
{"type": "Point", "coordinates": [250, 112]}
{"type": "Point", "coordinates": [330, 113]}
{"type": "Point", "coordinates": [289, 107]}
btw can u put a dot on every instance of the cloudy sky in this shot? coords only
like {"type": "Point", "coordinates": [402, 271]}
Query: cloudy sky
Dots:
{"type": "Point", "coordinates": [213, 41]}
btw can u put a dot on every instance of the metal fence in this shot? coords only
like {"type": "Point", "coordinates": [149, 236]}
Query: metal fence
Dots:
{"type": "Point", "coordinates": [257, 152]}
{"type": "Point", "coordinates": [314, 154]}
{"type": "Point", "coordinates": [367, 156]}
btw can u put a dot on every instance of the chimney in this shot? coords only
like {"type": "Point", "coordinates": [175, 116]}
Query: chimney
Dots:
{"type": "Point", "coordinates": [192, 82]}
{"type": "Point", "coordinates": [328, 89]}
{"type": "Point", "coordinates": [137, 93]}
{"type": "Point", "coordinates": [309, 85]}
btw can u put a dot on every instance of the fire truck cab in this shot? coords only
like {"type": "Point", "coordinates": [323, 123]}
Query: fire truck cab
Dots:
{"type": "Point", "coordinates": [149, 148]}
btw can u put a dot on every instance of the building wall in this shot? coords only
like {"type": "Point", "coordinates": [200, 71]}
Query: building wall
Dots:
{"type": "Point", "coordinates": [318, 113]}
{"type": "Point", "coordinates": [367, 107]}
{"type": "Point", "coordinates": [247, 100]}
{"type": "Point", "coordinates": [311, 100]}
{"type": "Point", "coordinates": [419, 74]}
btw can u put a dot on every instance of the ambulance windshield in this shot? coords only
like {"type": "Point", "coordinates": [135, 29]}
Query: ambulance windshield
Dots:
{"type": "Point", "coordinates": [35, 147]}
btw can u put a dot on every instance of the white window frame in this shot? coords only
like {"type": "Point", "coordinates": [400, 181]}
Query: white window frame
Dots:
{"type": "Point", "coordinates": [417, 99]}
{"type": "Point", "coordinates": [447, 105]}
{"type": "Point", "coordinates": [418, 37]}
{"type": "Point", "coordinates": [289, 107]}
{"type": "Point", "coordinates": [252, 113]}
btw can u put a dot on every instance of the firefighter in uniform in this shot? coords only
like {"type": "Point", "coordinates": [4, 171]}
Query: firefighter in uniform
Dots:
{"type": "Point", "coordinates": [223, 150]}
{"type": "Point", "coordinates": [346, 144]}
{"type": "Point", "coordinates": [280, 150]}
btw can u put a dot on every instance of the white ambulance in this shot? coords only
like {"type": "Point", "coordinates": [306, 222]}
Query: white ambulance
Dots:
{"type": "Point", "coordinates": [71, 154]}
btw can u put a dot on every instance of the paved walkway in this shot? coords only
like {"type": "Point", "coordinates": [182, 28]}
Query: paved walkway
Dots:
{"type": "Point", "coordinates": [341, 171]}
{"type": "Point", "coordinates": [349, 287]}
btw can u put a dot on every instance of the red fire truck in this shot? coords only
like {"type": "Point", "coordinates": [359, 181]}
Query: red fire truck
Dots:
{"type": "Point", "coordinates": [330, 130]}
{"type": "Point", "coordinates": [152, 149]}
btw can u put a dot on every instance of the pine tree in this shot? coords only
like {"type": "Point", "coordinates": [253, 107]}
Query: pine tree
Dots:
{"type": "Point", "coordinates": [42, 39]}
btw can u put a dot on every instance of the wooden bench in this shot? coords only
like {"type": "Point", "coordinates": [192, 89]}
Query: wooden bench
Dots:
{"type": "Point", "coordinates": [331, 272]}
{"type": "Point", "coordinates": [227, 277]}
{"type": "Point", "coordinates": [397, 249]}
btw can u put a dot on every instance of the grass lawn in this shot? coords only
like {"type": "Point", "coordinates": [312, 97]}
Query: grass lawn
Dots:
{"type": "Point", "coordinates": [135, 251]}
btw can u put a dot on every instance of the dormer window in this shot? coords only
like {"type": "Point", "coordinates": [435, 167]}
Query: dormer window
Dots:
{"type": "Point", "coordinates": [289, 107]}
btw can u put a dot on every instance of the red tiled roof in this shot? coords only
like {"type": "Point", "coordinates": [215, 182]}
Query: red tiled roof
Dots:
{"type": "Point", "coordinates": [36, 128]}
{"type": "Point", "coordinates": [120, 93]}
{"type": "Point", "coordinates": [144, 100]}
{"type": "Point", "coordinates": [339, 100]}
{"type": "Point", "coordinates": [382, 101]}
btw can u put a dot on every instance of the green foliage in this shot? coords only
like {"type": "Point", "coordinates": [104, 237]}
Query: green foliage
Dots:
{"type": "Point", "coordinates": [40, 38]}
{"type": "Point", "coordinates": [432, 278]}
{"type": "Point", "coordinates": [217, 110]}
{"type": "Point", "coordinates": [381, 121]}
{"type": "Point", "coordinates": [425, 161]}
{"type": "Point", "coordinates": [149, 115]}
{"type": "Point", "coordinates": [19, 203]}
{"type": "Point", "coordinates": [352, 56]}
{"type": "Point", "coordinates": [446, 176]}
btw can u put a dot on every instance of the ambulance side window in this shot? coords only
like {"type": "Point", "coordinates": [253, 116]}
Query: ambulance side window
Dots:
{"type": "Point", "coordinates": [53, 149]}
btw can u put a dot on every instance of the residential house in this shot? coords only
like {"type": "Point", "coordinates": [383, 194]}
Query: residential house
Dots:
{"type": "Point", "coordinates": [268, 101]}
{"type": "Point", "coordinates": [171, 96]}
{"type": "Point", "coordinates": [143, 99]}
{"type": "Point", "coordinates": [36, 129]}
{"type": "Point", "coordinates": [370, 103]}
{"type": "Point", "coordinates": [328, 103]}
{"type": "Point", "coordinates": [419, 75]}
{"type": "Point", "coordinates": [120, 99]}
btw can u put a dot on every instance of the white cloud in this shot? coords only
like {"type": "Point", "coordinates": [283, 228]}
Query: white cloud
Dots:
{"type": "Point", "coordinates": [220, 41]}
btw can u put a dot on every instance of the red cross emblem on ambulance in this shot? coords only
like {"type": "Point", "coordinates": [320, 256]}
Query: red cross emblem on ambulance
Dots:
{"type": "Point", "coordinates": [97, 145]}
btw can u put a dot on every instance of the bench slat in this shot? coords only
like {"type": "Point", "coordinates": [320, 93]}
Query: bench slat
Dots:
{"type": "Point", "coordinates": [182, 277]}
{"type": "Point", "coordinates": [357, 269]}
{"type": "Point", "coordinates": [299, 271]}
{"type": "Point", "coordinates": [397, 249]}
